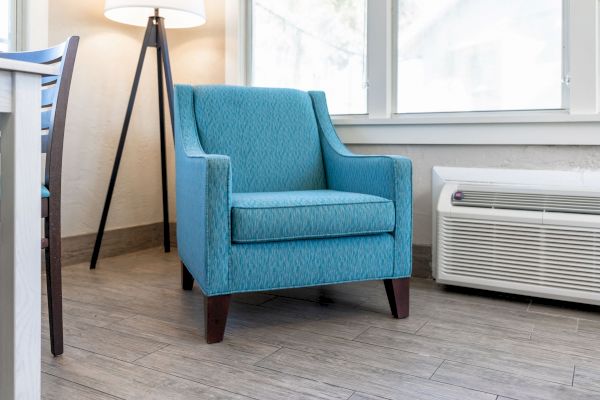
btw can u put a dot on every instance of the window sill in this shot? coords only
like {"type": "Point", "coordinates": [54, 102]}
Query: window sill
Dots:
{"type": "Point", "coordinates": [510, 128]}
{"type": "Point", "coordinates": [506, 117]}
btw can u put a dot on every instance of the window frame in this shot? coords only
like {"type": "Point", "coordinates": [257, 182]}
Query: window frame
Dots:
{"type": "Point", "coordinates": [581, 61]}
{"type": "Point", "coordinates": [565, 95]}
{"type": "Point", "coordinates": [29, 25]}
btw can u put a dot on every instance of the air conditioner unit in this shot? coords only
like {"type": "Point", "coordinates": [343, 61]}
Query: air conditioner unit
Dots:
{"type": "Point", "coordinates": [523, 237]}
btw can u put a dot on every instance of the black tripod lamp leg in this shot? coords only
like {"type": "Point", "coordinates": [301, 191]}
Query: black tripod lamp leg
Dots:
{"type": "Point", "coordinates": [148, 40]}
{"type": "Point", "coordinates": [163, 153]}
{"type": "Point", "coordinates": [164, 46]}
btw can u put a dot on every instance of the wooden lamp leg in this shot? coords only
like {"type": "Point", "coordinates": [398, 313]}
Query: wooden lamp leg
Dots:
{"type": "Point", "coordinates": [398, 295]}
{"type": "Point", "coordinates": [216, 309]}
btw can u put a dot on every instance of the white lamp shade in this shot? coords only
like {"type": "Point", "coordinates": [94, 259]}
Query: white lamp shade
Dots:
{"type": "Point", "coordinates": [177, 13]}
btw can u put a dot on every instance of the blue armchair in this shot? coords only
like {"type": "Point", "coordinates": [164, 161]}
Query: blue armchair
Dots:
{"type": "Point", "coordinates": [268, 198]}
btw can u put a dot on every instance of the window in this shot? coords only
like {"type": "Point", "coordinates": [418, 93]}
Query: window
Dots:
{"type": "Point", "coordinates": [6, 25]}
{"type": "Point", "coordinates": [479, 55]}
{"type": "Point", "coordinates": [414, 61]}
{"type": "Point", "coordinates": [312, 45]}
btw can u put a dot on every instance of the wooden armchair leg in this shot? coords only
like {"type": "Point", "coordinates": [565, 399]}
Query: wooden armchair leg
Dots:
{"type": "Point", "coordinates": [187, 280]}
{"type": "Point", "coordinates": [54, 293]}
{"type": "Point", "coordinates": [216, 309]}
{"type": "Point", "coordinates": [398, 295]}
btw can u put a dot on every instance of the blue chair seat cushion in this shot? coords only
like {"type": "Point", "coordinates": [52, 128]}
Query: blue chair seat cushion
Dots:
{"type": "Point", "coordinates": [309, 214]}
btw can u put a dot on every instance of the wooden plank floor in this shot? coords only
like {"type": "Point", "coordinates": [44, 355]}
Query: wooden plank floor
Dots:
{"type": "Point", "coordinates": [132, 333]}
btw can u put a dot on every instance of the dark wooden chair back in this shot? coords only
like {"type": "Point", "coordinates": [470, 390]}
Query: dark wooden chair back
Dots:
{"type": "Point", "coordinates": [55, 96]}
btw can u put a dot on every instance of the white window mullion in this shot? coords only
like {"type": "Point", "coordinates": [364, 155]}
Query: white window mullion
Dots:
{"type": "Point", "coordinates": [583, 56]}
{"type": "Point", "coordinates": [597, 57]}
{"type": "Point", "coordinates": [18, 26]}
{"type": "Point", "coordinates": [566, 69]}
{"type": "Point", "coordinates": [237, 19]}
{"type": "Point", "coordinates": [379, 58]}
{"type": "Point", "coordinates": [31, 24]}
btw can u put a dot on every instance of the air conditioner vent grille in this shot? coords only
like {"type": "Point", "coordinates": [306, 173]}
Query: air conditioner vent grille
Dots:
{"type": "Point", "coordinates": [528, 201]}
{"type": "Point", "coordinates": [520, 253]}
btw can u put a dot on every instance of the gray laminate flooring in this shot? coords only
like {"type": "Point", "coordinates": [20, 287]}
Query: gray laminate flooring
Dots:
{"type": "Point", "coordinates": [132, 333]}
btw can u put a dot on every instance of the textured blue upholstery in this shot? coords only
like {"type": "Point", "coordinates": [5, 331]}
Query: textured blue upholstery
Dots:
{"type": "Point", "coordinates": [298, 263]}
{"type": "Point", "coordinates": [232, 144]}
{"type": "Point", "coordinates": [272, 216]}
{"type": "Point", "coordinates": [45, 192]}
{"type": "Point", "coordinates": [270, 134]}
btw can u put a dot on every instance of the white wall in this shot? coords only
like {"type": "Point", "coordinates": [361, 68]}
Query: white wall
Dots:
{"type": "Point", "coordinates": [424, 157]}
{"type": "Point", "coordinates": [108, 54]}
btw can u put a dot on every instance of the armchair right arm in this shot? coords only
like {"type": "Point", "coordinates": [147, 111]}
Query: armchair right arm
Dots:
{"type": "Point", "coordinates": [385, 176]}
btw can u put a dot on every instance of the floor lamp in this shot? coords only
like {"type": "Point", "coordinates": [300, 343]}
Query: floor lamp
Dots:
{"type": "Point", "coordinates": [155, 15]}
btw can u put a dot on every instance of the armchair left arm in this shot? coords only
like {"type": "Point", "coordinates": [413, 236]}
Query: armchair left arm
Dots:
{"type": "Point", "coordinates": [203, 187]}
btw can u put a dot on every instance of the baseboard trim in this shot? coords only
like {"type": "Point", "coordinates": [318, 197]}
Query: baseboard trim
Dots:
{"type": "Point", "coordinates": [422, 261]}
{"type": "Point", "coordinates": [78, 249]}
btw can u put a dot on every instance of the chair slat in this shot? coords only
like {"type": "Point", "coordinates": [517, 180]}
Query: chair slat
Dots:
{"type": "Point", "coordinates": [46, 115]}
{"type": "Point", "coordinates": [46, 56]}
{"type": "Point", "coordinates": [49, 80]}
{"type": "Point", "coordinates": [45, 143]}
{"type": "Point", "coordinates": [49, 96]}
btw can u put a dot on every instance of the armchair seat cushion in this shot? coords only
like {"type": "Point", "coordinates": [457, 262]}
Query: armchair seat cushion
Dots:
{"type": "Point", "coordinates": [310, 214]}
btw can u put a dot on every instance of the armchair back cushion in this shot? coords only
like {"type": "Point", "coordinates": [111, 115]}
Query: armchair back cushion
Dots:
{"type": "Point", "coordinates": [271, 136]}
